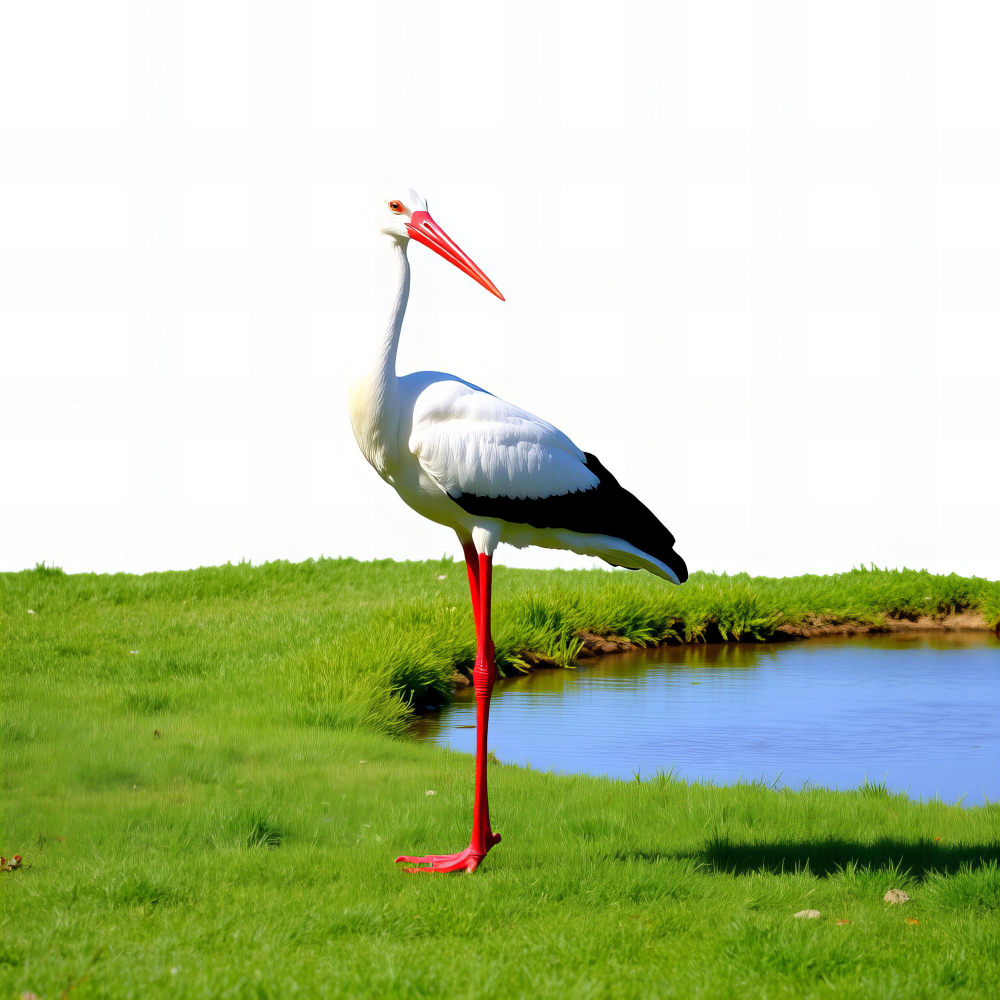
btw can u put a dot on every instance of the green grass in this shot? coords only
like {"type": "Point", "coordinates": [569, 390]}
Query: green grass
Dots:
{"type": "Point", "coordinates": [248, 846]}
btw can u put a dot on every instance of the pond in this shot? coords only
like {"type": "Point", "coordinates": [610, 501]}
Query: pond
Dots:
{"type": "Point", "coordinates": [918, 711]}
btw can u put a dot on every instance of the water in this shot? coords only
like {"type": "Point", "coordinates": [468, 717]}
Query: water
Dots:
{"type": "Point", "coordinates": [920, 712]}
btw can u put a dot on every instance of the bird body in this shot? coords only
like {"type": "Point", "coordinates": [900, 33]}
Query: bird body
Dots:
{"type": "Point", "coordinates": [491, 471]}
{"type": "Point", "coordinates": [465, 458]}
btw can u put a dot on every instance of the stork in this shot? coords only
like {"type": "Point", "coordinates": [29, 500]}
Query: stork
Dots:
{"type": "Point", "coordinates": [491, 472]}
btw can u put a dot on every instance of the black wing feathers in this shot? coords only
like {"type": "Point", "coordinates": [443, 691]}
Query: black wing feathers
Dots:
{"type": "Point", "coordinates": [607, 509]}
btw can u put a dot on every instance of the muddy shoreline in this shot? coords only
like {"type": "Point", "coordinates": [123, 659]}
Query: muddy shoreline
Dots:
{"type": "Point", "coordinates": [962, 621]}
{"type": "Point", "coordinates": [595, 646]}
{"type": "Point", "coordinates": [814, 625]}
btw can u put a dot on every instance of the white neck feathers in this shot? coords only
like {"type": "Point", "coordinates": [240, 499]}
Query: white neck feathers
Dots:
{"type": "Point", "coordinates": [374, 406]}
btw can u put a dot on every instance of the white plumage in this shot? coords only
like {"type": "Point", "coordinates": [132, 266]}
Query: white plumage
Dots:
{"type": "Point", "coordinates": [469, 441]}
{"type": "Point", "coordinates": [448, 446]}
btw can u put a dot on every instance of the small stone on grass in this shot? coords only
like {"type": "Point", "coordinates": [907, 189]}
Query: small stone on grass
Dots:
{"type": "Point", "coordinates": [807, 914]}
{"type": "Point", "coordinates": [896, 896]}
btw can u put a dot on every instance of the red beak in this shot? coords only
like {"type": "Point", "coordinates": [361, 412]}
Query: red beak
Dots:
{"type": "Point", "coordinates": [424, 229]}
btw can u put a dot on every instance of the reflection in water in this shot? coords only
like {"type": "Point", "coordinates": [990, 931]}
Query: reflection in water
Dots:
{"type": "Point", "coordinates": [918, 711]}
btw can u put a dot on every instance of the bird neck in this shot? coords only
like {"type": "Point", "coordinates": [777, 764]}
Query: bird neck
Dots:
{"type": "Point", "coordinates": [374, 406]}
{"type": "Point", "coordinates": [386, 363]}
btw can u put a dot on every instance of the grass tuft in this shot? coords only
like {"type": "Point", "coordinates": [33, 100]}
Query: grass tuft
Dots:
{"type": "Point", "coordinates": [262, 830]}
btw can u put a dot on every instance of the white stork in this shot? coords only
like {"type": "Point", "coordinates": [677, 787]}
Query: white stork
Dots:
{"type": "Point", "coordinates": [493, 473]}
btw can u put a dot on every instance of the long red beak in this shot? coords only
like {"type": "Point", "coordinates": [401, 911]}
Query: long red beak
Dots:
{"type": "Point", "coordinates": [424, 229]}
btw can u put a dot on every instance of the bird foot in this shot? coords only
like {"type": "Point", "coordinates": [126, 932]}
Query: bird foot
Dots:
{"type": "Point", "coordinates": [465, 861]}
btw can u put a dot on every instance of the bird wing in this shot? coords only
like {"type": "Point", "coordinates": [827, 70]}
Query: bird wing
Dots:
{"type": "Point", "coordinates": [470, 442]}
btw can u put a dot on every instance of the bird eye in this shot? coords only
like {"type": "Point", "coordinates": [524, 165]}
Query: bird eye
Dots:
{"type": "Point", "coordinates": [396, 206]}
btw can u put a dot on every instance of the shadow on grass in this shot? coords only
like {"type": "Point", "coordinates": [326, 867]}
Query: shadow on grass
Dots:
{"type": "Point", "coordinates": [829, 857]}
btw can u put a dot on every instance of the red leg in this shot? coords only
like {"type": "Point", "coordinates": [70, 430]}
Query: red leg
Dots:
{"type": "Point", "coordinates": [472, 567]}
{"type": "Point", "coordinates": [484, 673]}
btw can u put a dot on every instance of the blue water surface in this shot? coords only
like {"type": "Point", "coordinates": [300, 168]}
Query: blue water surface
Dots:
{"type": "Point", "coordinates": [919, 711]}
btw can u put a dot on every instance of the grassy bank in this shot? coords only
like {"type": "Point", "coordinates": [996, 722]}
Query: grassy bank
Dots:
{"type": "Point", "coordinates": [361, 641]}
{"type": "Point", "coordinates": [202, 772]}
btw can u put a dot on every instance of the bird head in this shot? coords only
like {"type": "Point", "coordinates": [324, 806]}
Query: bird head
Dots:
{"type": "Point", "coordinates": [406, 218]}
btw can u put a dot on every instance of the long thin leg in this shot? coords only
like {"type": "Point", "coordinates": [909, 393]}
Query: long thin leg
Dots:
{"type": "Point", "coordinates": [472, 568]}
{"type": "Point", "coordinates": [484, 673]}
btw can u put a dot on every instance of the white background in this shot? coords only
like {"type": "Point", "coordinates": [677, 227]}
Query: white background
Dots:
{"type": "Point", "coordinates": [751, 255]}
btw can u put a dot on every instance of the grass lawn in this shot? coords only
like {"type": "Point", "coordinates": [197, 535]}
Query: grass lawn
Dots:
{"type": "Point", "coordinates": [208, 778]}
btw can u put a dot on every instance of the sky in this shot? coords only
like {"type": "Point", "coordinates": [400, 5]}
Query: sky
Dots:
{"type": "Point", "coordinates": [749, 254]}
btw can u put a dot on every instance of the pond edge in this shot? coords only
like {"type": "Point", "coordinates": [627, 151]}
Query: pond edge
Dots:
{"type": "Point", "coordinates": [812, 626]}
